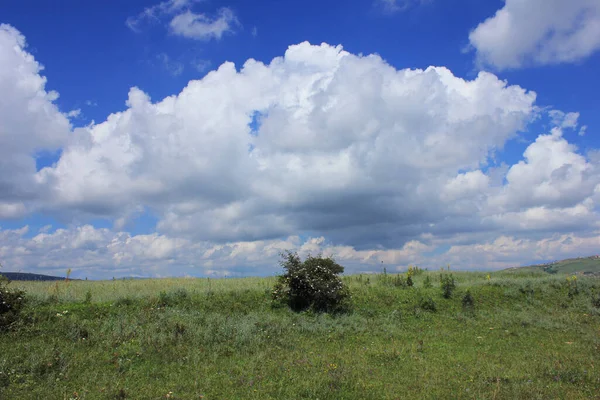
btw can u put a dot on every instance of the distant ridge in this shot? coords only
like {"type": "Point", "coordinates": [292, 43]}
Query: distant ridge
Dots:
{"type": "Point", "coordinates": [580, 265]}
{"type": "Point", "coordinates": [24, 276]}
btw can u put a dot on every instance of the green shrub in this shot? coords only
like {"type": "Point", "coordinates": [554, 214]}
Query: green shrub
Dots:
{"type": "Point", "coordinates": [427, 282]}
{"type": "Point", "coordinates": [596, 300]}
{"type": "Point", "coordinates": [448, 284]}
{"type": "Point", "coordinates": [427, 304]}
{"type": "Point", "coordinates": [312, 284]}
{"type": "Point", "coordinates": [399, 281]}
{"type": "Point", "coordinates": [468, 302]}
{"type": "Point", "coordinates": [11, 303]}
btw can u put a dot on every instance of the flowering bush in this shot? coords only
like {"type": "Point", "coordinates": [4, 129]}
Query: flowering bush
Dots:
{"type": "Point", "coordinates": [11, 303]}
{"type": "Point", "coordinates": [313, 284]}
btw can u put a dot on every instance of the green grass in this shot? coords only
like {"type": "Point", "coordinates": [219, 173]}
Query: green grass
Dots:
{"type": "Point", "coordinates": [525, 338]}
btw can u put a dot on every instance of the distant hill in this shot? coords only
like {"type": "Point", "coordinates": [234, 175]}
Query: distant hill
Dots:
{"type": "Point", "coordinates": [583, 265]}
{"type": "Point", "coordinates": [24, 276]}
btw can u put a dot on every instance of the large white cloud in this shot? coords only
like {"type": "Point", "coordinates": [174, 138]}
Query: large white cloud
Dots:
{"type": "Point", "coordinates": [378, 164]}
{"type": "Point", "coordinates": [537, 32]}
{"type": "Point", "coordinates": [343, 142]}
{"type": "Point", "coordinates": [30, 122]}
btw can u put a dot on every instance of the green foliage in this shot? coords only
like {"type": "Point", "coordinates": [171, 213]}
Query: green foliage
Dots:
{"type": "Point", "coordinates": [468, 302]}
{"type": "Point", "coordinates": [448, 284]}
{"type": "Point", "coordinates": [572, 285]}
{"type": "Point", "coordinates": [399, 281]}
{"type": "Point", "coordinates": [427, 284]}
{"type": "Point", "coordinates": [409, 281]}
{"type": "Point", "coordinates": [596, 300]}
{"type": "Point", "coordinates": [312, 284]}
{"type": "Point", "coordinates": [427, 304]}
{"type": "Point", "coordinates": [11, 304]}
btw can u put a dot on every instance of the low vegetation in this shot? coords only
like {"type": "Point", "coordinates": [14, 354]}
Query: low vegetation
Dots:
{"type": "Point", "coordinates": [504, 335]}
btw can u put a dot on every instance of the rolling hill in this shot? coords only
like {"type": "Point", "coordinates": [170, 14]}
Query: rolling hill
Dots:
{"type": "Point", "coordinates": [580, 265]}
{"type": "Point", "coordinates": [24, 276]}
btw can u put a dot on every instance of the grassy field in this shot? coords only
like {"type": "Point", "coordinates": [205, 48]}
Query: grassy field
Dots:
{"type": "Point", "coordinates": [529, 335]}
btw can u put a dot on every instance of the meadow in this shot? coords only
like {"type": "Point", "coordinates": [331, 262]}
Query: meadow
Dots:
{"type": "Point", "coordinates": [526, 335]}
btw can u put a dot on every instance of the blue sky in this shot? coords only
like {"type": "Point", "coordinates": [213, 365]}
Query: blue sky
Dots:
{"type": "Point", "coordinates": [362, 151]}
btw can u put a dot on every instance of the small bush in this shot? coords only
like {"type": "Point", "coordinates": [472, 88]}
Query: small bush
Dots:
{"type": "Point", "coordinates": [468, 302]}
{"type": "Point", "coordinates": [427, 282]}
{"type": "Point", "coordinates": [448, 284]}
{"type": "Point", "coordinates": [428, 304]}
{"type": "Point", "coordinates": [312, 284]}
{"type": "Point", "coordinates": [399, 281]}
{"type": "Point", "coordinates": [11, 304]}
{"type": "Point", "coordinates": [596, 300]}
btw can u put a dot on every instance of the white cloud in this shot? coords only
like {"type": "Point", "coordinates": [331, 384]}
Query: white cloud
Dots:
{"type": "Point", "coordinates": [564, 120]}
{"type": "Point", "coordinates": [184, 22]}
{"type": "Point", "coordinates": [30, 122]}
{"type": "Point", "coordinates": [352, 125]}
{"type": "Point", "coordinates": [394, 6]}
{"type": "Point", "coordinates": [553, 175]}
{"type": "Point", "coordinates": [173, 67]}
{"type": "Point", "coordinates": [157, 11]}
{"type": "Point", "coordinates": [373, 163]}
{"type": "Point", "coordinates": [203, 27]}
{"type": "Point", "coordinates": [201, 65]}
{"type": "Point", "coordinates": [74, 113]}
{"type": "Point", "coordinates": [101, 253]}
{"type": "Point", "coordinates": [538, 32]}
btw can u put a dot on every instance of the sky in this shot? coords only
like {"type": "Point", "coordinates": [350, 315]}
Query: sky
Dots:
{"type": "Point", "coordinates": [143, 138]}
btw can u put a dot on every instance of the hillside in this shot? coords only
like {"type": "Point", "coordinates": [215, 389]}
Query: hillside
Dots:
{"type": "Point", "coordinates": [580, 265]}
{"type": "Point", "coordinates": [24, 276]}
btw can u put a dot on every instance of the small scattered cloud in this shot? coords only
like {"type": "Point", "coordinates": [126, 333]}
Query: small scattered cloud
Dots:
{"type": "Point", "coordinates": [158, 11]}
{"type": "Point", "coordinates": [255, 31]}
{"type": "Point", "coordinates": [395, 6]}
{"type": "Point", "coordinates": [538, 32]}
{"type": "Point", "coordinates": [174, 68]}
{"type": "Point", "coordinates": [583, 130]}
{"type": "Point", "coordinates": [91, 103]}
{"type": "Point", "coordinates": [202, 26]}
{"type": "Point", "coordinates": [201, 65]}
{"type": "Point", "coordinates": [564, 120]}
{"type": "Point", "coordinates": [74, 113]}
{"type": "Point", "coordinates": [182, 21]}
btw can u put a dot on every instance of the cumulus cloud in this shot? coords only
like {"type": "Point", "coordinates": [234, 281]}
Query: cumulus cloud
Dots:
{"type": "Point", "coordinates": [333, 130]}
{"type": "Point", "coordinates": [372, 163]}
{"type": "Point", "coordinates": [538, 32]}
{"type": "Point", "coordinates": [30, 122]}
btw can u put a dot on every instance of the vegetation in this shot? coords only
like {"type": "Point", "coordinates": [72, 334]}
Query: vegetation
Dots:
{"type": "Point", "coordinates": [222, 339]}
{"type": "Point", "coordinates": [580, 265]}
{"type": "Point", "coordinates": [11, 304]}
{"type": "Point", "coordinates": [448, 285]}
{"type": "Point", "coordinates": [313, 285]}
